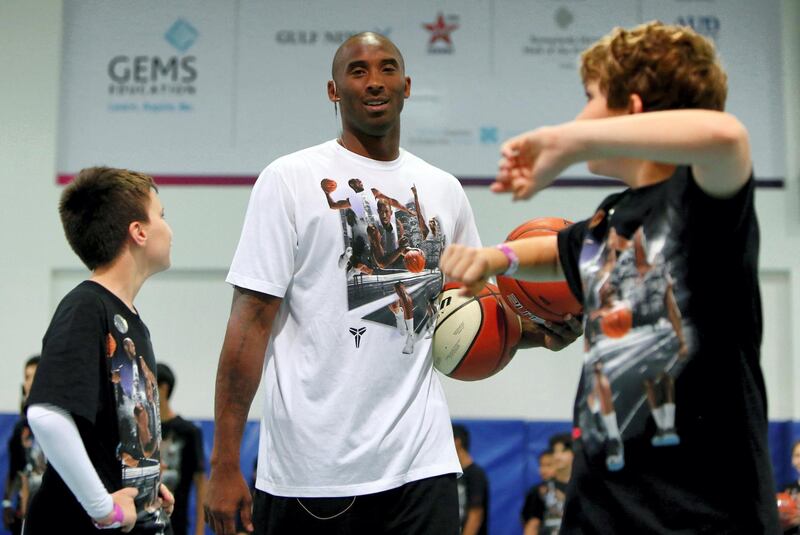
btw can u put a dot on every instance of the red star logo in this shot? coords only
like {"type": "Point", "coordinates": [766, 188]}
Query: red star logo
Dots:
{"type": "Point", "coordinates": [440, 30]}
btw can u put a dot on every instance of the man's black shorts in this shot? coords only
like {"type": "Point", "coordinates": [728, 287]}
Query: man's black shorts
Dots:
{"type": "Point", "coordinates": [424, 507]}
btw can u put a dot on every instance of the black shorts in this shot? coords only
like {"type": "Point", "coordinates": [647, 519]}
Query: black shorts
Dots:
{"type": "Point", "coordinates": [424, 507]}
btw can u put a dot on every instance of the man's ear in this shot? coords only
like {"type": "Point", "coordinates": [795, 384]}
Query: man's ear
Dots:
{"type": "Point", "coordinates": [332, 96]}
{"type": "Point", "coordinates": [407, 91]}
{"type": "Point", "coordinates": [137, 232]}
{"type": "Point", "coordinates": [635, 104]}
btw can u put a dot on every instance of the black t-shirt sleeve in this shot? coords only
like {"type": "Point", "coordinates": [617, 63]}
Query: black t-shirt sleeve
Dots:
{"type": "Point", "coordinates": [534, 506]}
{"type": "Point", "coordinates": [199, 454]}
{"type": "Point", "coordinates": [192, 455]}
{"type": "Point", "coordinates": [570, 241]}
{"type": "Point", "coordinates": [69, 373]}
{"type": "Point", "coordinates": [722, 217]}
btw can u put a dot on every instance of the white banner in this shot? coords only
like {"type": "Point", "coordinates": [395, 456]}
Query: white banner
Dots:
{"type": "Point", "coordinates": [202, 91]}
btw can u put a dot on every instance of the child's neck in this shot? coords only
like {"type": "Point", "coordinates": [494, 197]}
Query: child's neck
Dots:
{"type": "Point", "coordinates": [120, 278]}
{"type": "Point", "coordinates": [649, 173]}
{"type": "Point", "coordinates": [165, 410]}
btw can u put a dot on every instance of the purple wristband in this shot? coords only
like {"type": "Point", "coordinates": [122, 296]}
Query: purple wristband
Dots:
{"type": "Point", "coordinates": [116, 520]}
{"type": "Point", "coordinates": [513, 259]}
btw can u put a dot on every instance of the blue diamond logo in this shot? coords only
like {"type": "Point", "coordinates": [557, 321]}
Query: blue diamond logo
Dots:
{"type": "Point", "coordinates": [181, 35]}
{"type": "Point", "coordinates": [489, 135]}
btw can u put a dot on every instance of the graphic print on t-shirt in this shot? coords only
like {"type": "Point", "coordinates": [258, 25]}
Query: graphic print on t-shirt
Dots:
{"type": "Point", "coordinates": [136, 396]}
{"type": "Point", "coordinates": [637, 339]}
{"type": "Point", "coordinates": [390, 254]}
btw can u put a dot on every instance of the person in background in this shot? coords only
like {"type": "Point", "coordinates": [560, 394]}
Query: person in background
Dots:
{"type": "Point", "coordinates": [544, 504]}
{"type": "Point", "coordinates": [25, 461]}
{"type": "Point", "coordinates": [790, 522]}
{"type": "Point", "coordinates": [182, 457]}
{"type": "Point", "coordinates": [473, 487]}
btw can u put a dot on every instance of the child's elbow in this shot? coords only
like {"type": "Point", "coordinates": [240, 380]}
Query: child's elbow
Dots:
{"type": "Point", "coordinates": [730, 135]}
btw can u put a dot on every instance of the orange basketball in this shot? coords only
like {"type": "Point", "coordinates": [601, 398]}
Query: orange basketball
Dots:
{"type": "Point", "coordinates": [539, 301]}
{"type": "Point", "coordinates": [414, 259]}
{"type": "Point", "coordinates": [475, 337]}
{"type": "Point", "coordinates": [328, 185]}
{"type": "Point", "coordinates": [616, 322]}
{"type": "Point", "coordinates": [787, 507]}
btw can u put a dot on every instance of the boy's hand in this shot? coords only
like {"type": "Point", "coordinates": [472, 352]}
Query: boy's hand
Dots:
{"type": "Point", "coordinates": [227, 494]}
{"type": "Point", "coordinates": [167, 499]}
{"type": "Point", "coordinates": [530, 162]}
{"type": "Point", "coordinates": [124, 498]}
{"type": "Point", "coordinates": [471, 266]}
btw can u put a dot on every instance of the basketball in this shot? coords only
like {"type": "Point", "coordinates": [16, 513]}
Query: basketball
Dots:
{"type": "Point", "coordinates": [328, 185]}
{"type": "Point", "coordinates": [475, 337]}
{"type": "Point", "coordinates": [616, 322]}
{"type": "Point", "coordinates": [414, 259]}
{"type": "Point", "coordinates": [538, 301]}
{"type": "Point", "coordinates": [787, 508]}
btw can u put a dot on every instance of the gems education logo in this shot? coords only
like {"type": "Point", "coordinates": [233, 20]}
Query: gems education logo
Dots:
{"type": "Point", "coordinates": [157, 75]}
{"type": "Point", "coordinates": [440, 40]}
{"type": "Point", "coordinates": [181, 35]}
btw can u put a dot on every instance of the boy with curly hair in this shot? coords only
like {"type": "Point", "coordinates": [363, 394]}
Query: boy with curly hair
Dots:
{"type": "Point", "coordinates": [684, 373]}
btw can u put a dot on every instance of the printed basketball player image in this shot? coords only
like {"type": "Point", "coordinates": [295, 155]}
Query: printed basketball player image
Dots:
{"type": "Point", "coordinates": [390, 254]}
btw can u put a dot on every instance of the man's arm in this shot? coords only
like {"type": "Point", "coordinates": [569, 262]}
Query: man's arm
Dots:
{"type": "Point", "coordinates": [714, 143]}
{"type": "Point", "coordinates": [238, 376]}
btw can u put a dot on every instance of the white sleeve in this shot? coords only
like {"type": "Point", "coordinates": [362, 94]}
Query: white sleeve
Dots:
{"type": "Point", "coordinates": [56, 432]}
{"type": "Point", "coordinates": [265, 257]}
{"type": "Point", "coordinates": [466, 232]}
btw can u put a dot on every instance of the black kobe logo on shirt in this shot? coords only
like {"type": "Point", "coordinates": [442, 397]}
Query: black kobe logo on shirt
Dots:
{"type": "Point", "coordinates": [357, 334]}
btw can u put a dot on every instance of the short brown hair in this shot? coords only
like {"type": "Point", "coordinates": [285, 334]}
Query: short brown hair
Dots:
{"type": "Point", "coordinates": [669, 67]}
{"type": "Point", "coordinates": [97, 207]}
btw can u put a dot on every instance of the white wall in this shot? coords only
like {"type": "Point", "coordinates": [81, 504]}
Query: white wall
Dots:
{"type": "Point", "coordinates": [186, 307]}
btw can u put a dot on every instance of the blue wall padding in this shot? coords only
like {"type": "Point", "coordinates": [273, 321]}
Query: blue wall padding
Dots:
{"type": "Point", "coordinates": [507, 450]}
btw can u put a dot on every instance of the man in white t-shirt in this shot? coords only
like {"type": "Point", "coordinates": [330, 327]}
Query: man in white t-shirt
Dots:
{"type": "Point", "coordinates": [355, 432]}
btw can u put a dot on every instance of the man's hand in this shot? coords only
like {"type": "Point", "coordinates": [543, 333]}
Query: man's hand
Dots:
{"type": "Point", "coordinates": [551, 335]}
{"type": "Point", "coordinates": [226, 494]}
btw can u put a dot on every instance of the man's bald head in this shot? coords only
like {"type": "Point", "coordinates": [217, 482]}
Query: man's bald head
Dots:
{"type": "Point", "coordinates": [363, 38]}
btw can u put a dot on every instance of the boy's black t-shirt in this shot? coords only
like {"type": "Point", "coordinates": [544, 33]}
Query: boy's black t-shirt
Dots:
{"type": "Point", "coordinates": [97, 363]}
{"type": "Point", "coordinates": [672, 318]}
{"type": "Point", "coordinates": [181, 458]}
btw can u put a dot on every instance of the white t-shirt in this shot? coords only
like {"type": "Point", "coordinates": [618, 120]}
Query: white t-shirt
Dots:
{"type": "Point", "coordinates": [346, 411]}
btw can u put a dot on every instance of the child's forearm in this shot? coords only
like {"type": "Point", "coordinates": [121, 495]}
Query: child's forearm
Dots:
{"type": "Point", "coordinates": [56, 432]}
